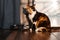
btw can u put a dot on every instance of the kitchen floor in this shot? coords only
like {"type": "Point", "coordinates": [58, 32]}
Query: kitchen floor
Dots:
{"type": "Point", "coordinates": [27, 35]}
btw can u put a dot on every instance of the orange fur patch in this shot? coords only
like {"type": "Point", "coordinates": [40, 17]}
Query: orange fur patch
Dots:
{"type": "Point", "coordinates": [40, 20]}
{"type": "Point", "coordinates": [29, 9]}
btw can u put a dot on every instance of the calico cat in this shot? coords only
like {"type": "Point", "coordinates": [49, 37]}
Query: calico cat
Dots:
{"type": "Point", "coordinates": [39, 20]}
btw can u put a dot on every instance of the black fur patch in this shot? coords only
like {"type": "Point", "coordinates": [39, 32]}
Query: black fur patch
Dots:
{"type": "Point", "coordinates": [38, 14]}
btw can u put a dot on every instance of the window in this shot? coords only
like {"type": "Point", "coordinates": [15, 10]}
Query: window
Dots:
{"type": "Point", "coordinates": [50, 7]}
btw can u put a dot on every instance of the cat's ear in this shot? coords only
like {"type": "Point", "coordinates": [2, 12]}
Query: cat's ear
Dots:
{"type": "Point", "coordinates": [27, 6]}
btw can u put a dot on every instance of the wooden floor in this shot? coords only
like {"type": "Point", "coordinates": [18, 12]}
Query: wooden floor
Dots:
{"type": "Point", "coordinates": [27, 35]}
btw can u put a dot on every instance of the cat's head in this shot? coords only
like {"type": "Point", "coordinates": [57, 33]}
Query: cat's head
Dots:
{"type": "Point", "coordinates": [30, 9]}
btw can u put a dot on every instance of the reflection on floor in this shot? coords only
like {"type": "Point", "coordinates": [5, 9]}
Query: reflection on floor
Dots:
{"type": "Point", "coordinates": [27, 35]}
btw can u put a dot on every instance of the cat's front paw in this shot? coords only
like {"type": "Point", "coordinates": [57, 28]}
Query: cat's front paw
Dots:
{"type": "Point", "coordinates": [41, 29]}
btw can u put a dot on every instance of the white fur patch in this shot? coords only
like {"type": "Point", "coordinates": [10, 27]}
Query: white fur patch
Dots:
{"type": "Point", "coordinates": [39, 29]}
{"type": "Point", "coordinates": [32, 15]}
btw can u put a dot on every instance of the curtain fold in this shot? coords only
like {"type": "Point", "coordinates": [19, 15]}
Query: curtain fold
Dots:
{"type": "Point", "coordinates": [9, 13]}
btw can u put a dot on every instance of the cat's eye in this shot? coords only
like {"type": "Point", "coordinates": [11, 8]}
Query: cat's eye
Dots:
{"type": "Point", "coordinates": [33, 9]}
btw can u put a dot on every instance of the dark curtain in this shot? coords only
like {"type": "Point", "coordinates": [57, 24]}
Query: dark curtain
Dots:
{"type": "Point", "coordinates": [9, 13]}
